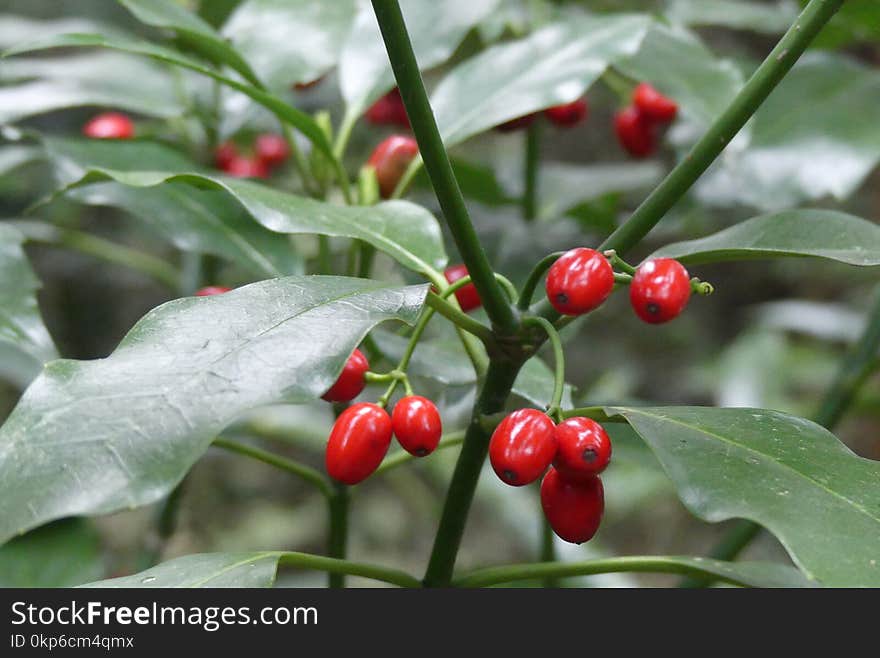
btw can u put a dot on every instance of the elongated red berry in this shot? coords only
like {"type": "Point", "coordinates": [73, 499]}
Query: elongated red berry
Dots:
{"type": "Point", "coordinates": [271, 149]}
{"type": "Point", "coordinates": [519, 123]}
{"type": "Point", "coordinates": [467, 296]}
{"type": "Point", "coordinates": [417, 426]}
{"type": "Point", "coordinates": [358, 442]}
{"type": "Point", "coordinates": [351, 380]}
{"type": "Point", "coordinates": [207, 291]}
{"type": "Point", "coordinates": [654, 105]}
{"type": "Point", "coordinates": [246, 167]}
{"type": "Point", "coordinates": [569, 114]}
{"type": "Point", "coordinates": [579, 281]}
{"type": "Point", "coordinates": [522, 447]}
{"type": "Point", "coordinates": [390, 160]}
{"type": "Point", "coordinates": [388, 110]}
{"type": "Point", "coordinates": [110, 125]}
{"type": "Point", "coordinates": [635, 132]}
{"type": "Point", "coordinates": [225, 154]}
{"type": "Point", "coordinates": [583, 448]}
{"type": "Point", "coordinates": [573, 509]}
{"type": "Point", "coordinates": [660, 290]}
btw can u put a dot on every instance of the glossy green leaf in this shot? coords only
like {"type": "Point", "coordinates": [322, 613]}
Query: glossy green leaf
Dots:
{"type": "Point", "coordinates": [788, 474]}
{"type": "Point", "coordinates": [553, 65]}
{"type": "Point", "coordinates": [767, 17]}
{"type": "Point", "coordinates": [204, 570]}
{"type": "Point", "coordinates": [435, 28]}
{"type": "Point", "coordinates": [16, 155]}
{"type": "Point", "coordinates": [15, 29]}
{"type": "Point", "coordinates": [288, 41]}
{"type": "Point", "coordinates": [819, 233]}
{"type": "Point", "coordinates": [61, 554]}
{"type": "Point", "coordinates": [193, 32]}
{"type": "Point", "coordinates": [284, 112]}
{"type": "Point", "coordinates": [801, 151]}
{"type": "Point", "coordinates": [89, 437]}
{"type": "Point", "coordinates": [406, 232]}
{"type": "Point", "coordinates": [21, 328]}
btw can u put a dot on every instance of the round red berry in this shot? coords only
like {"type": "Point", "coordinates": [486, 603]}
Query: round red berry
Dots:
{"type": "Point", "coordinates": [388, 110]}
{"type": "Point", "coordinates": [390, 160]}
{"type": "Point", "coordinates": [271, 149]}
{"type": "Point", "coordinates": [207, 291]}
{"type": "Point", "coordinates": [569, 114]}
{"type": "Point", "coordinates": [245, 167]}
{"type": "Point", "coordinates": [416, 424]}
{"type": "Point", "coordinates": [654, 105]}
{"type": "Point", "coordinates": [351, 380]}
{"type": "Point", "coordinates": [522, 447]}
{"type": "Point", "coordinates": [467, 296]}
{"type": "Point", "coordinates": [517, 124]}
{"type": "Point", "coordinates": [579, 281]}
{"type": "Point", "coordinates": [358, 442]}
{"type": "Point", "coordinates": [225, 154]}
{"type": "Point", "coordinates": [660, 290]}
{"type": "Point", "coordinates": [110, 125]}
{"type": "Point", "coordinates": [573, 509]}
{"type": "Point", "coordinates": [635, 132]}
{"type": "Point", "coordinates": [583, 448]}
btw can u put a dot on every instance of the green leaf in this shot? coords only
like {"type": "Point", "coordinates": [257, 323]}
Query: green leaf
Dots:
{"type": "Point", "coordinates": [284, 112]}
{"type": "Point", "coordinates": [193, 32]}
{"type": "Point", "coordinates": [61, 554]}
{"type": "Point", "coordinates": [801, 151]}
{"type": "Point", "coordinates": [14, 156]}
{"type": "Point", "coordinates": [553, 65]}
{"type": "Point", "coordinates": [406, 232]}
{"type": "Point", "coordinates": [89, 437]}
{"type": "Point", "coordinates": [819, 233]}
{"type": "Point", "coordinates": [204, 570]}
{"type": "Point", "coordinates": [435, 28]}
{"type": "Point", "coordinates": [16, 29]}
{"type": "Point", "coordinates": [21, 328]}
{"type": "Point", "coordinates": [788, 474]}
{"type": "Point", "coordinates": [857, 21]}
{"type": "Point", "coordinates": [289, 41]}
{"type": "Point", "coordinates": [770, 18]}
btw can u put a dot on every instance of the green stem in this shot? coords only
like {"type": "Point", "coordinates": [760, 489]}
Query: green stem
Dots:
{"type": "Point", "coordinates": [324, 259]}
{"type": "Point", "coordinates": [780, 60]}
{"type": "Point", "coordinates": [345, 567]}
{"type": "Point", "coordinates": [548, 550]}
{"type": "Point", "coordinates": [532, 160]}
{"type": "Point", "coordinates": [857, 365]}
{"type": "Point", "coordinates": [439, 169]}
{"type": "Point", "coordinates": [558, 361]}
{"type": "Point", "coordinates": [403, 457]}
{"type": "Point", "coordinates": [307, 473]}
{"type": "Point", "coordinates": [636, 564]}
{"type": "Point", "coordinates": [299, 160]}
{"type": "Point", "coordinates": [531, 284]}
{"type": "Point", "coordinates": [459, 319]}
{"type": "Point", "coordinates": [337, 542]}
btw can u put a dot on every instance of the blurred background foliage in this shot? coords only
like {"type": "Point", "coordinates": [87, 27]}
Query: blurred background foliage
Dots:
{"type": "Point", "coordinates": [769, 337]}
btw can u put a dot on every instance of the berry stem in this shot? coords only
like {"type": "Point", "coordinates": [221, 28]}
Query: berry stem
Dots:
{"type": "Point", "coordinates": [534, 278]}
{"type": "Point", "coordinates": [763, 81]}
{"type": "Point", "coordinates": [617, 262]}
{"type": "Point", "coordinates": [548, 549]}
{"type": "Point", "coordinates": [337, 541]}
{"type": "Point", "coordinates": [554, 410]}
{"type": "Point", "coordinates": [530, 170]}
{"type": "Point", "coordinates": [460, 319]}
{"type": "Point", "coordinates": [437, 165]}
{"type": "Point", "coordinates": [346, 567]}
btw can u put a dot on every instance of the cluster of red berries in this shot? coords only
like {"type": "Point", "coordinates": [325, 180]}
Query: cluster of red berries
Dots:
{"type": "Point", "coordinates": [109, 125]}
{"type": "Point", "coordinates": [269, 151]}
{"type": "Point", "coordinates": [564, 116]}
{"type": "Point", "coordinates": [637, 124]}
{"type": "Point", "coordinates": [581, 279]}
{"type": "Point", "coordinates": [362, 433]}
{"type": "Point", "coordinates": [527, 442]}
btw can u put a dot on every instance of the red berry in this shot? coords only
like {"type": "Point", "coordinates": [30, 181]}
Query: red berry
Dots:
{"type": "Point", "coordinates": [522, 447]}
{"type": "Point", "coordinates": [225, 154]}
{"type": "Point", "coordinates": [245, 167]}
{"type": "Point", "coordinates": [388, 110]}
{"type": "Point", "coordinates": [467, 296]}
{"type": "Point", "coordinates": [574, 509]}
{"type": "Point", "coordinates": [660, 290]}
{"type": "Point", "coordinates": [653, 104]}
{"type": "Point", "coordinates": [417, 425]}
{"type": "Point", "coordinates": [390, 160]}
{"type": "Point", "coordinates": [569, 114]}
{"type": "Point", "coordinates": [207, 291]}
{"type": "Point", "coordinates": [516, 124]}
{"type": "Point", "coordinates": [583, 449]}
{"type": "Point", "coordinates": [271, 149]}
{"type": "Point", "coordinates": [351, 380]}
{"type": "Point", "coordinates": [109, 125]}
{"type": "Point", "coordinates": [635, 132]}
{"type": "Point", "coordinates": [358, 442]}
{"type": "Point", "coordinates": [579, 281]}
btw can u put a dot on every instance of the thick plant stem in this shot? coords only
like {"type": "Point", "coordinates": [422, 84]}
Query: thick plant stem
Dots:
{"type": "Point", "coordinates": [337, 542]}
{"type": "Point", "coordinates": [857, 365]}
{"type": "Point", "coordinates": [495, 389]}
{"type": "Point", "coordinates": [764, 80]}
{"type": "Point", "coordinates": [532, 161]}
{"type": "Point", "coordinates": [437, 165]}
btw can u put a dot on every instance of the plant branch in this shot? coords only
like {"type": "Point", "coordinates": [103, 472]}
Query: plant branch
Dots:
{"type": "Point", "coordinates": [345, 567]}
{"type": "Point", "coordinates": [459, 319]}
{"type": "Point", "coordinates": [337, 541]}
{"type": "Point", "coordinates": [558, 361]}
